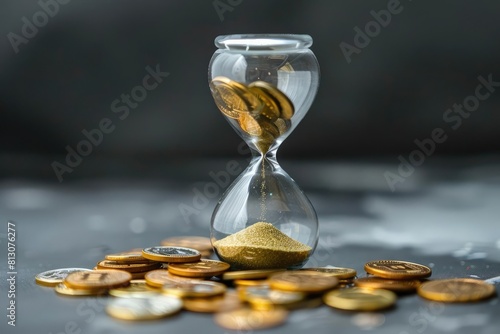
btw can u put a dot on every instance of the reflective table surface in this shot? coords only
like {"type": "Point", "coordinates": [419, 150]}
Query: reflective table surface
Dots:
{"type": "Point", "coordinates": [446, 216]}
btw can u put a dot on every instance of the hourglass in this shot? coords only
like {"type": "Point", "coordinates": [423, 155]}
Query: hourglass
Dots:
{"type": "Point", "coordinates": [264, 86]}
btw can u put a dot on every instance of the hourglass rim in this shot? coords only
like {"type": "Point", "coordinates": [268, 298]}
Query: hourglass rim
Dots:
{"type": "Point", "coordinates": [263, 42]}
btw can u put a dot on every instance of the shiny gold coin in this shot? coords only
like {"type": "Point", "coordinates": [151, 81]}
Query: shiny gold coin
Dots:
{"type": "Point", "coordinates": [233, 98]}
{"type": "Point", "coordinates": [249, 320]}
{"type": "Point", "coordinates": [158, 278]}
{"type": "Point", "coordinates": [137, 275]}
{"type": "Point", "coordinates": [201, 244]}
{"type": "Point", "coordinates": [146, 308]}
{"type": "Point", "coordinates": [137, 287]}
{"type": "Point", "coordinates": [358, 299]}
{"type": "Point", "coordinates": [395, 269]}
{"type": "Point", "coordinates": [250, 125]}
{"type": "Point", "coordinates": [194, 289]}
{"type": "Point", "coordinates": [132, 256]}
{"type": "Point", "coordinates": [171, 254]}
{"type": "Point", "coordinates": [130, 267]}
{"type": "Point", "coordinates": [62, 289]}
{"type": "Point", "coordinates": [227, 302]}
{"type": "Point", "coordinates": [303, 281]}
{"type": "Point", "coordinates": [250, 282]}
{"type": "Point", "coordinates": [340, 273]}
{"type": "Point", "coordinates": [270, 110]}
{"type": "Point", "coordinates": [285, 105]}
{"type": "Point", "coordinates": [202, 268]}
{"type": "Point", "coordinates": [55, 276]}
{"type": "Point", "coordinates": [264, 298]}
{"type": "Point", "coordinates": [456, 290]}
{"type": "Point", "coordinates": [97, 279]}
{"type": "Point", "coordinates": [401, 286]}
{"type": "Point", "coordinates": [249, 274]}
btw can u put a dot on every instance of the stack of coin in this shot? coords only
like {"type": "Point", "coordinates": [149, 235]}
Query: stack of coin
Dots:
{"type": "Point", "coordinates": [131, 261]}
{"type": "Point", "coordinates": [260, 109]}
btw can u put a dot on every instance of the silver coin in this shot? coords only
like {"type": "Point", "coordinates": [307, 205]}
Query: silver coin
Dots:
{"type": "Point", "coordinates": [145, 308]}
{"type": "Point", "coordinates": [171, 251]}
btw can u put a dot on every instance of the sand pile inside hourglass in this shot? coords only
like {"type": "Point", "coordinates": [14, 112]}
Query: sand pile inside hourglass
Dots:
{"type": "Point", "coordinates": [261, 246]}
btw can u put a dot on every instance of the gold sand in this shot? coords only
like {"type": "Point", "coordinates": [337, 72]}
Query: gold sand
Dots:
{"type": "Point", "coordinates": [261, 246]}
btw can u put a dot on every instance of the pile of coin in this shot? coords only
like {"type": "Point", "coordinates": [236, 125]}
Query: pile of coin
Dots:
{"type": "Point", "coordinates": [178, 278]}
{"type": "Point", "coordinates": [260, 109]}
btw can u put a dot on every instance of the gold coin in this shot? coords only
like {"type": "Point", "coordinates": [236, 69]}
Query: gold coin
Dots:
{"type": "Point", "coordinates": [233, 98]}
{"type": "Point", "coordinates": [160, 277]}
{"type": "Point", "coordinates": [269, 128]}
{"type": "Point", "coordinates": [358, 299]}
{"type": "Point", "coordinates": [249, 274]}
{"type": "Point", "coordinates": [130, 267]}
{"type": "Point", "coordinates": [285, 105]}
{"type": "Point", "coordinates": [387, 284]}
{"type": "Point", "coordinates": [201, 244]}
{"type": "Point", "coordinates": [303, 281]}
{"type": "Point", "coordinates": [97, 279]}
{"type": "Point", "coordinates": [132, 256]}
{"type": "Point", "coordinates": [264, 298]}
{"type": "Point", "coordinates": [194, 289]}
{"type": "Point", "coordinates": [227, 302]}
{"type": "Point", "coordinates": [137, 288]}
{"type": "Point", "coordinates": [55, 276]}
{"type": "Point", "coordinates": [249, 124]}
{"type": "Point", "coordinates": [283, 125]}
{"type": "Point", "coordinates": [248, 319]}
{"type": "Point", "coordinates": [270, 108]}
{"type": "Point", "coordinates": [171, 254]}
{"type": "Point", "coordinates": [340, 273]}
{"type": "Point", "coordinates": [62, 289]}
{"type": "Point", "coordinates": [137, 275]}
{"type": "Point", "coordinates": [456, 290]}
{"type": "Point", "coordinates": [250, 282]}
{"type": "Point", "coordinates": [145, 308]}
{"type": "Point", "coordinates": [203, 268]}
{"type": "Point", "coordinates": [395, 269]}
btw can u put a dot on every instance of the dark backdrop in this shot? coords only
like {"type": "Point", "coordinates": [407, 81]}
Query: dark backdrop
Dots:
{"type": "Point", "coordinates": [63, 79]}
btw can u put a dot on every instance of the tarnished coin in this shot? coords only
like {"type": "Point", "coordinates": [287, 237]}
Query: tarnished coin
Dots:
{"type": "Point", "coordinates": [146, 308]}
{"type": "Point", "coordinates": [401, 286]}
{"type": "Point", "coordinates": [248, 319]}
{"type": "Point", "coordinates": [456, 290]}
{"type": "Point", "coordinates": [233, 98]}
{"type": "Point", "coordinates": [131, 256]}
{"type": "Point", "coordinates": [137, 288]}
{"type": "Point", "coordinates": [249, 274]}
{"type": "Point", "coordinates": [283, 125]}
{"type": "Point", "coordinates": [194, 289]}
{"type": "Point", "coordinates": [395, 269]}
{"type": "Point", "coordinates": [62, 289]}
{"type": "Point", "coordinates": [340, 273]}
{"type": "Point", "coordinates": [201, 244]}
{"type": "Point", "coordinates": [55, 276]}
{"type": "Point", "coordinates": [97, 279]}
{"type": "Point", "coordinates": [269, 128]}
{"type": "Point", "coordinates": [130, 267]}
{"type": "Point", "coordinates": [358, 299]}
{"type": "Point", "coordinates": [171, 254]}
{"type": "Point", "coordinates": [284, 104]}
{"type": "Point", "coordinates": [202, 268]}
{"type": "Point", "coordinates": [264, 298]}
{"type": "Point", "coordinates": [158, 278]}
{"type": "Point", "coordinates": [226, 302]}
{"type": "Point", "coordinates": [303, 281]}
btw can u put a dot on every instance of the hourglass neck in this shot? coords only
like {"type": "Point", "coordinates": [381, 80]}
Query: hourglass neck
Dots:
{"type": "Point", "coordinates": [270, 155]}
